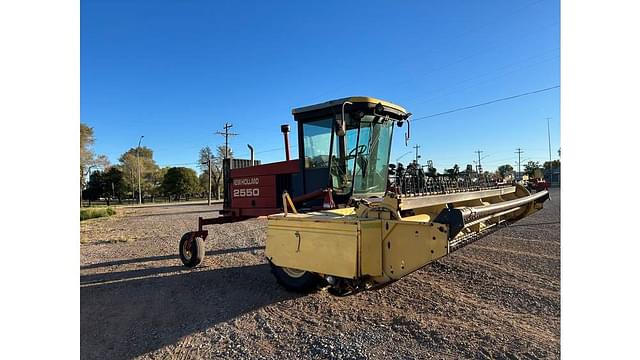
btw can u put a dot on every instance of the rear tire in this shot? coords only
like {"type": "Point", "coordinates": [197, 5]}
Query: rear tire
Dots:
{"type": "Point", "coordinates": [191, 250]}
{"type": "Point", "coordinates": [294, 279]}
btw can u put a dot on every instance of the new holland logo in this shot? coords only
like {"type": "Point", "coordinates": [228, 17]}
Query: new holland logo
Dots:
{"type": "Point", "coordinates": [246, 181]}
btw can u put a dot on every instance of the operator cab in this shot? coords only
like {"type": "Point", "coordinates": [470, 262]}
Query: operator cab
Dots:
{"type": "Point", "coordinates": [345, 145]}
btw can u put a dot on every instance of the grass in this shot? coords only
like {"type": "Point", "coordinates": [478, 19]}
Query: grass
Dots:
{"type": "Point", "coordinates": [91, 213]}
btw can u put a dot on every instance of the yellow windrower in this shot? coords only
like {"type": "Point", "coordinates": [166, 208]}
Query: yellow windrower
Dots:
{"type": "Point", "coordinates": [352, 220]}
{"type": "Point", "coordinates": [371, 244]}
{"type": "Point", "coordinates": [386, 232]}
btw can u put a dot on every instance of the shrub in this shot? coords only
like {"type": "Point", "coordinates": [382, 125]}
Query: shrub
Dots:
{"type": "Point", "coordinates": [91, 213]}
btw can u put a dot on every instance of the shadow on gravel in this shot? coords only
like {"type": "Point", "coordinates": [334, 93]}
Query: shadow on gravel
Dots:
{"type": "Point", "coordinates": [205, 213]}
{"type": "Point", "coordinates": [166, 257]}
{"type": "Point", "coordinates": [129, 318]}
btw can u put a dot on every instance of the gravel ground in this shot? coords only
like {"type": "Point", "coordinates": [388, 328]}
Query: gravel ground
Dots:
{"type": "Point", "coordinates": [498, 298]}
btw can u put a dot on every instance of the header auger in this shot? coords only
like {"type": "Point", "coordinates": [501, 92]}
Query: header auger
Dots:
{"type": "Point", "coordinates": [351, 220]}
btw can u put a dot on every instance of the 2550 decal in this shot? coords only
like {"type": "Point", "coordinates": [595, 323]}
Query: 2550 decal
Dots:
{"type": "Point", "coordinates": [246, 192]}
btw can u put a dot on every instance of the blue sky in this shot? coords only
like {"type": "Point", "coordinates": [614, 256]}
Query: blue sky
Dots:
{"type": "Point", "coordinates": [175, 71]}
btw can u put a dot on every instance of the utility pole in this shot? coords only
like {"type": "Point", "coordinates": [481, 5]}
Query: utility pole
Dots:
{"type": "Point", "coordinates": [226, 135]}
{"type": "Point", "coordinates": [519, 151]}
{"type": "Point", "coordinates": [139, 184]}
{"type": "Point", "coordinates": [479, 168]}
{"type": "Point", "coordinates": [417, 156]}
{"type": "Point", "coordinates": [549, 137]}
{"type": "Point", "coordinates": [208, 162]}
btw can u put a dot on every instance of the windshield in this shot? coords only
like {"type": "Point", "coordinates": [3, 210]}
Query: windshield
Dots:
{"type": "Point", "coordinates": [372, 156]}
{"type": "Point", "coordinates": [343, 157]}
{"type": "Point", "coordinates": [357, 161]}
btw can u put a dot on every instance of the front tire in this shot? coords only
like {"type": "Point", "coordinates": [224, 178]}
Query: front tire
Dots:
{"type": "Point", "coordinates": [191, 250]}
{"type": "Point", "coordinates": [294, 279]}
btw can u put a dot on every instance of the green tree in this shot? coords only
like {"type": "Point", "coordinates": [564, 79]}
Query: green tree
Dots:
{"type": "Point", "coordinates": [505, 170]}
{"type": "Point", "coordinates": [555, 164]}
{"type": "Point", "coordinates": [532, 169]}
{"type": "Point", "coordinates": [148, 170]}
{"type": "Point", "coordinates": [216, 168]}
{"type": "Point", "coordinates": [205, 154]}
{"type": "Point", "coordinates": [88, 160]}
{"type": "Point", "coordinates": [203, 180]}
{"type": "Point", "coordinates": [95, 186]}
{"type": "Point", "coordinates": [114, 183]}
{"type": "Point", "coordinates": [87, 140]}
{"type": "Point", "coordinates": [180, 181]}
{"type": "Point", "coordinates": [156, 180]}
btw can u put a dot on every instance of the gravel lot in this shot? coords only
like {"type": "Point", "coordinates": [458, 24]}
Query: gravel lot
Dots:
{"type": "Point", "coordinates": [496, 298]}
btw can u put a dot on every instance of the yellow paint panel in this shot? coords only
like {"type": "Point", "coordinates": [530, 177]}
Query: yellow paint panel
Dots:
{"type": "Point", "coordinates": [371, 247]}
{"type": "Point", "coordinates": [342, 212]}
{"type": "Point", "coordinates": [418, 217]}
{"type": "Point", "coordinates": [408, 246]}
{"type": "Point", "coordinates": [325, 247]}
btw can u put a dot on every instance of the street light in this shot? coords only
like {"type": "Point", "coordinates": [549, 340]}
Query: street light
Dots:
{"type": "Point", "coordinates": [139, 185]}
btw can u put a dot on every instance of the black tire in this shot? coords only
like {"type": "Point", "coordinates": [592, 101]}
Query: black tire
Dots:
{"type": "Point", "coordinates": [191, 250]}
{"type": "Point", "coordinates": [302, 282]}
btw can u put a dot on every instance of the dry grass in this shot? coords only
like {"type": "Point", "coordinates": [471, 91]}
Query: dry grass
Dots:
{"type": "Point", "coordinates": [91, 213]}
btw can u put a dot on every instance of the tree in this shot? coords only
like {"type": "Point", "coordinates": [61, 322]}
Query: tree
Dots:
{"type": "Point", "coordinates": [88, 159]}
{"type": "Point", "coordinates": [555, 164]}
{"type": "Point", "coordinates": [505, 170]}
{"type": "Point", "coordinates": [203, 179]}
{"type": "Point", "coordinates": [114, 183]}
{"type": "Point", "coordinates": [205, 154]}
{"type": "Point", "coordinates": [156, 180]}
{"type": "Point", "coordinates": [86, 142]}
{"type": "Point", "coordinates": [532, 169]}
{"type": "Point", "coordinates": [216, 167]}
{"type": "Point", "coordinates": [95, 186]}
{"type": "Point", "coordinates": [179, 181]}
{"type": "Point", "coordinates": [106, 184]}
{"type": "Point", "coordinates": [148, 168]}
{"type": "Point", "coordinates": [221, 152]}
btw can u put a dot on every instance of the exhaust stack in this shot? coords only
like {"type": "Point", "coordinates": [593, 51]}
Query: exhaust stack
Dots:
{"type": "Point", "coordinates": [285, 132]}
{"type": "Point", "coordinates": [251, 151]}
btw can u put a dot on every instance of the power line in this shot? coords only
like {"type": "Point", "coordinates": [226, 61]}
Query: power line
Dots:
{"type": "Point", "coordinates": [519, 151]}
{"type": "Point", "coordinates": [494, 75]}
{"type": "Point", "coordinates": [496, 44]}
{"type": "Point", "coordinates": [486, 103]}
{"type": "Point", "coordinates": [226, 135]}
{"type": "Point", "coordinates": [479, 167]}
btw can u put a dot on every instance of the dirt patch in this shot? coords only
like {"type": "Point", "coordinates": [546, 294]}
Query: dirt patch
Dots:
{"type": "Point", "coordinates": [498, 298]}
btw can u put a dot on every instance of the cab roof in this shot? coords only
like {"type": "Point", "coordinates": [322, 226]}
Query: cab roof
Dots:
{"type": "Point", "coordinates": [353, 99]}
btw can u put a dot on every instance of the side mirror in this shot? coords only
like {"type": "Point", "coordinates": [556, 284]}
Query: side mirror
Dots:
{"type": "Point", "coordinates": [341, 127]}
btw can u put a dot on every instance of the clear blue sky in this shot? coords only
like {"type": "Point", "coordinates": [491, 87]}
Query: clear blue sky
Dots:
{"type": "Point", "coordinates": [175, 71]}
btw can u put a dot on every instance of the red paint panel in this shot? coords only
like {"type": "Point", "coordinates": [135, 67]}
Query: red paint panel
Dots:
{"type": "Point", "coordinates": [259, 212]}
{"type": "Point", "coordinates": [252, 181]}
{"type": "Point", "coordinates": [253, 191]}
{"type": "Point", "coordinates": [282, 167]}
{"type": "Point", "coordinates": [263, 196]}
